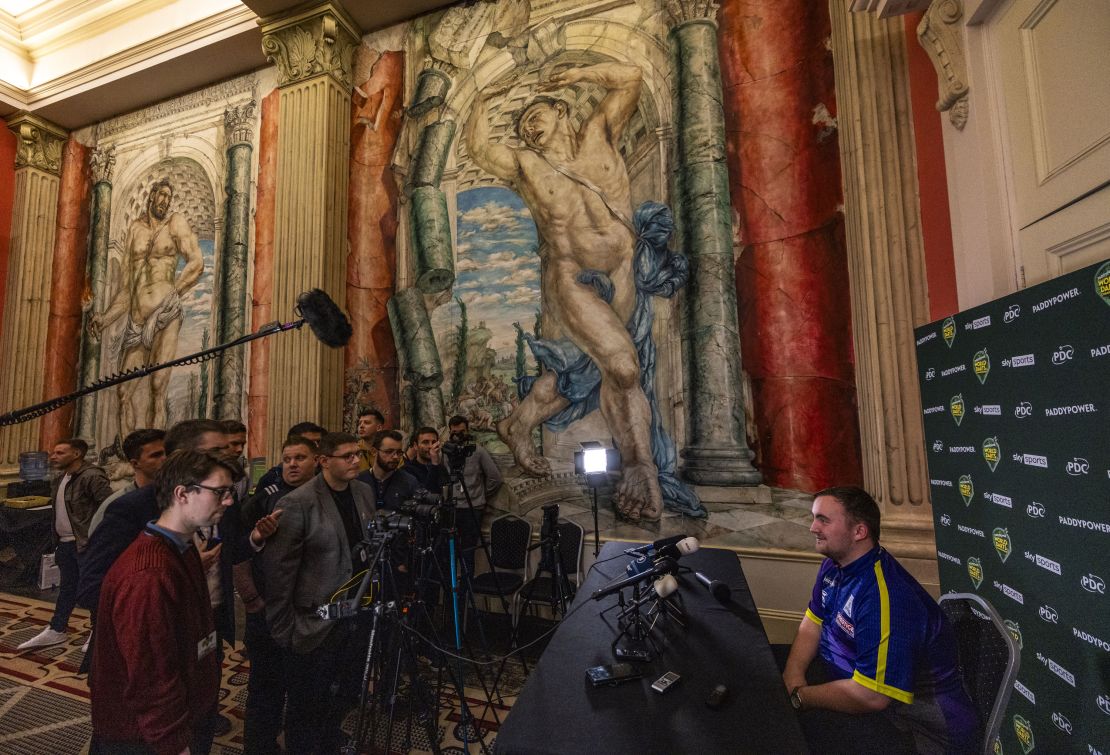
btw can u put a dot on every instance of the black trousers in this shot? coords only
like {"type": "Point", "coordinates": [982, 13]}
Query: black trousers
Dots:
{"type": "Point", "coordinates": [265, 688]}
{"type": "Point", "coordinates": [65, 556]}
{"type": "Point", "coordinates": [321, 687]}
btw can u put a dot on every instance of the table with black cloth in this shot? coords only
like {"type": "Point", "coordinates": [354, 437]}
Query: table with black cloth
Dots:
{"type": "Point", "coordinates": [559, 711]}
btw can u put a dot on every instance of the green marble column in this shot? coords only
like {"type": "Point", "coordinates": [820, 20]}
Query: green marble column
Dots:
{"type": "Point", "coordinates": [716, 451]}
{"type": "Point", "coordinates": [229, 385]}
{"type": "Point", "coordinates": [416, 345]}
{"type": "Point", "coordinates": [101, 163]}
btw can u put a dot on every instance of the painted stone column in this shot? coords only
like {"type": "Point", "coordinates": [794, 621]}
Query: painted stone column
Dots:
{"type": "Point", "coordinates": [716, 450]}
{"type": "Point", "coordinates": [792, 271]}
{"type": "Point", "coordinates": [101, 163]}
{"type": "Point", "coordinates": [258, 391]}
{"type": "Point", "coordinates": [8, 142]}
{"type": "Point", "coordinates": [371, 356]}
{"type": "Point", "coordinates": [228, 396]}
{"type": "Point", "coordinates": [312, 49]}
{"type": "Point", "coordinates": [38, 165]}
{"type": "Point", "coordinates": [419, 357]}
{"type": "Point", "coordinates": [67, 287]}
{"type": "Point", "coordinates": [886, 270]}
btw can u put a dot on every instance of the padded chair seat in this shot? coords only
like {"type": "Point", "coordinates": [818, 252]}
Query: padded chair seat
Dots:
{"type": "Point", "coordinates": [540, 590]}
{"type": "Point", "coordinates": [485, 584]}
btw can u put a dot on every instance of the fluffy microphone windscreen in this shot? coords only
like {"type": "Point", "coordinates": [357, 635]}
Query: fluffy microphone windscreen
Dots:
{"type": "Point", "coordinates": [665, 585]}
{"type": "Point", "coordinates": [325, 318]}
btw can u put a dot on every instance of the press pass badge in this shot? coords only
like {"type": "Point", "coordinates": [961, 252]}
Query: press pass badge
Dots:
{"type": "Point", "coordinates": [206, 645]}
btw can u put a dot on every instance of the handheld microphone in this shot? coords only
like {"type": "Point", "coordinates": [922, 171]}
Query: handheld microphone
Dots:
{"type": "Point", "coordinates": [661, 567]}
{"type": "Point", "coordinates": [650, 548]}
{"type": "Point", "coordinates": [671, 547]}
{"type": "Point", "coordinates": [662, 588]}
{"type": "Point", "coordinates": [719, 590]}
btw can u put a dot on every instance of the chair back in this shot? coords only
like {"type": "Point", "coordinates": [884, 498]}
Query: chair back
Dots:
{"type": "Point", "coordinates": [571, 537]}
{"type": "Point", "coordinates": [988, 657]}
{"type": "Point", "coordinates": [509, 537]}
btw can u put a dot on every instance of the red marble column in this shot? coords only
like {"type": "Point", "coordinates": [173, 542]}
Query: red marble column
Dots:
{"type": "Point", "coordinates": [7, 203]}
{"type": "Point", "coordinates": [792, 277]}
{"type": "Point", "coordinates": [67, 290]}
{"type": "Point", "coordinates": [258, 392]}
{"type": "Point", "coordinates": [371, 357]}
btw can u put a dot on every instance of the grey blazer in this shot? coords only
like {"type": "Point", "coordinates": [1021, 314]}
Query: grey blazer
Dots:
{"type": "Point", "coordinates": [306, 560]}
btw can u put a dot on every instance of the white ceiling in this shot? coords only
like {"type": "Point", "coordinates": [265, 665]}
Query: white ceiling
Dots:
{"type": "Point", "coordinates": [76, 63]}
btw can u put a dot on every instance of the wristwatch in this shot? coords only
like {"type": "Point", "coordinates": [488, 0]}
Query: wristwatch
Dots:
{"type": "Point", "coordinates": [796, 698]}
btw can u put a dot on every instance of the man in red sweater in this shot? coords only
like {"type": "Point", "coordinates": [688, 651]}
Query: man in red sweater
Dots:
{"type": "Point", "coordinates": [155, 678]}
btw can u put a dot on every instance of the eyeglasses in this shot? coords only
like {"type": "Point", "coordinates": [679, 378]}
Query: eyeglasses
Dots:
{"type": "Point", "coordinates": [221, 493]}
{"type": "Point", "coordinates": [352, 456]}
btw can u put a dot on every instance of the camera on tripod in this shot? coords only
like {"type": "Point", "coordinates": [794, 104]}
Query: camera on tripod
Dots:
{"type": "Point", "coordinates": [457, 450]}
{"type": "Point", "coordinates": [424, 507]}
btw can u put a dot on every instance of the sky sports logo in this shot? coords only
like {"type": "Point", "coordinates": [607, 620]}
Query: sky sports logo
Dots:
{"type": "Point", "coordinates": [1023, 360]}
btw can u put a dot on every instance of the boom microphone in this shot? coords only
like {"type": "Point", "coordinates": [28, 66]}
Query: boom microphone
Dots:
{"type": "Point", "coordinates": [721, 591]}
{"type": "Point", "coordinates": [324, 317]}
{"type": "Point", "coordinates": [661, 567]}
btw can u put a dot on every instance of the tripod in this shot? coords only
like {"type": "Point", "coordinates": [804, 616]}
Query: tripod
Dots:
{"type": "Point", "coordinates": [385, 675]}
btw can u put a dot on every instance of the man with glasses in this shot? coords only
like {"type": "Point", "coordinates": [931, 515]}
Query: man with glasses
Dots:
{"type": "Point", "coordinates": [155, 679]}
{"type": "Point", "coordinates": [313, 553]}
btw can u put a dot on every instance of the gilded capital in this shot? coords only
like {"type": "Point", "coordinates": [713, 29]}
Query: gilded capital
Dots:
{"type": "Point", "coordinates": [940, 35]}
{"type": "Point", "coordinates": [316, 41]}
{"type": "Point", "coordinates": [38, 143]}
{"type": "Point", "coordinates": [238, 122]}
{"type": "Point", "coordinates": [687, 11]}
{"type": "Point", "coordinates": [101, 162]}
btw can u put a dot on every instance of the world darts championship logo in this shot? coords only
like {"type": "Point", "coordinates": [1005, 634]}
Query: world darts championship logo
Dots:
{"type": "Point", "coordinates": [1001, 539]}
{"type": "Point", "coordinates": [956, 406]}
{"type": "Point", "coordinates": [967, 489]}
{"type": "Point", "coordinates": [981, 363]}
{"type": "Point", "coordinates": [975, 571]}
{"type": "Point", "coordinates": [992, 452]}
{"type": "Point", "coordinates": [1102, 283]}
{"type": "Point", "coordinates": [948, 330]}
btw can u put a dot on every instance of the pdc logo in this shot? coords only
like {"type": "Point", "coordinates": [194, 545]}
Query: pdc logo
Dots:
{"type": "Point", "coordinates": [938, 445]}
{"type": "Point", "coordinates": [1062, 723]}
{"type": "Point", "coordinates": [1035, 510]}
{"type": "Point", "coordinates": [1093, 583]}
{"type": "Point", "coordinates": [1048, 613]}
{"type": "Point", "coordinates": [1012, 313]}
{"type": "Point", "coordinates": [930, 373]}
{"type": "Point", "coordinates": [1023, 410]}
{"type": "Point", "coordinates": [946, 520]}
{"type": "Point", "coordinates": [1063, 354]}
{"type": "Point", "coordinates": [948, 330]}
{"type": "Point", "coordinates": [1078, 466]}
{"type": "Point", "coordinates": [1104, 704]}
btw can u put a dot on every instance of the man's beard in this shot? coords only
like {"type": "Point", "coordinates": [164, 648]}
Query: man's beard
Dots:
{"type": "Point", "coordinates": [157, 212]}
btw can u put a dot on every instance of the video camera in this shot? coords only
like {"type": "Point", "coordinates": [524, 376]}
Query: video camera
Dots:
{"type": "Point", "coordinates": [458, 450]}
{"type": "Point", "coordinates": [424, 507]}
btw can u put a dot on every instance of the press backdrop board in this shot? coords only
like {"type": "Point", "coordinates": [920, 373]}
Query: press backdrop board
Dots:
{"type": "Point", "coordinates": [1016, 408]}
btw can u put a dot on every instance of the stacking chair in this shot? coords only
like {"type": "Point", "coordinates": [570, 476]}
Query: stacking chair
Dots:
{"type": "Point", "coordinates": [509, 536]}
{"type": "Point", "coordinates": [542, 588]}
{"type": "Point", "coordinates": [988, 656]}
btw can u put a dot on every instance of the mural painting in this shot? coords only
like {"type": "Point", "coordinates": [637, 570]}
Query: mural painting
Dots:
{"type": "Point", "coordinates": [168, 263]}
{"type": "Point", "coordinates": [543, 130]}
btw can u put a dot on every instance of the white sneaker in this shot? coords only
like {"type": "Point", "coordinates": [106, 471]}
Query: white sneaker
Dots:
{"type": "Point", "coordinates": [45, 638]}
{"type": "Point", "coordinates": [85, 647]}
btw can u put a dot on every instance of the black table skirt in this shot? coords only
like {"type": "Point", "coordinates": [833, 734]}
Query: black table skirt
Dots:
{"type": "Point", "coordinates": [560, 712]}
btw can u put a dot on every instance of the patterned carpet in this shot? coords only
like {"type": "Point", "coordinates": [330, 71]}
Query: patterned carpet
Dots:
{"type": "Point", "coordinates": [44, 702]}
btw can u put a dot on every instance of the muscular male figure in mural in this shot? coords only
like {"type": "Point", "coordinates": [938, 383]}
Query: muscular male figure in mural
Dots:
{"type": "Point", "coordinates": [580, 232]}
{"type": "Point", "coordinates": [151, 298]}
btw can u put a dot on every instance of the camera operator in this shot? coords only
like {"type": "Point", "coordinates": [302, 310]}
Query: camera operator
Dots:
{"type": "Point", "coordinates": [482, 479]}
{"type": "Point", "coordinates": [391, 485]}
{"type": "Point", "coordinates": [428, 467]}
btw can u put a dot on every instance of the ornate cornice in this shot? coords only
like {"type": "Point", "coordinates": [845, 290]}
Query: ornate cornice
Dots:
{"type": "Point", "coordinates": [238, 123]}
{"type": "Point", "coordinates": [314, 42]}
{"type": "Point", "coordinates": [39, 143]}
{"type": "Point", "coordinates": [939, 35]}
{"type": "Point", "coordinates": [687, 11]}
{"type": "Point", "coordinates": [101, 162]}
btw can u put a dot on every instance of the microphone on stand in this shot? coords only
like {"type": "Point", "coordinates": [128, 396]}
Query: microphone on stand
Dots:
{"type": "Point", "coordinates": [670, 547]}
{"type": "Point", "coordinates": [662, 588]}
{"type": "Point", "coordinates": [661, 567]}
{"type": "Point", "coordinates": [721, 591]}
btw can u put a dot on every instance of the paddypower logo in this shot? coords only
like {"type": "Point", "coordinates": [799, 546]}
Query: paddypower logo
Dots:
{"type": "Point", "coordinates": [1024, 732]}
{"type": "Point", "coordinates": [967, 489]}
{"type": "Point", "coordinates": [956, 406]}
{"type": "Point", "coordinates": [981, 363]}
{"type": "Point", "coordinates": [975, 571]}
{"type": "Point", "coordinates": [1102, 283]}
{"type": "Point", "coordinates": [992, 452]}
{"type": "Point", "coordinates": [948, 330]}
{"type": "Point", "coordinates": [1015, 632]}
{"type": "Point", "coordinates": [1001, 539]}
